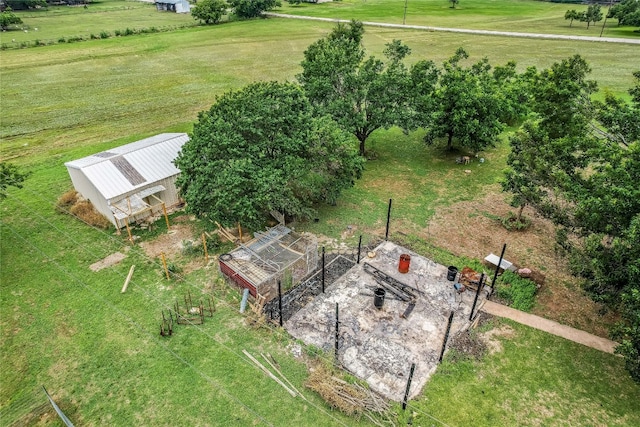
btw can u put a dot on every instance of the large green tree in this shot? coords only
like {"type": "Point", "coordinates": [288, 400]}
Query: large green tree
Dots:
{"type": "Point", "coordinates": [10, 176]}
{"type": "Point", "coordinates": [627, 12]}
{"type": "Point", "coordinates": [593, 14]}
{"type": "Point", "coordinates": [261, 149]}
{"type": "Point", "coordinates": [362, 95]}
{"type": "Point", "coordinates": [579, 165]}
{"type": "Point", "coordinates": [572, 14]}
{"type": "Point", "coordinates": [470, 104]}
{"type": "Point", "coordinates": [561, 97]}
{"type": "Point", "coordinates": [209, 11]}
{"type": "Point", "coordinates": [246, 9]}
{"type": "Point", "coordinates": [8, 18]}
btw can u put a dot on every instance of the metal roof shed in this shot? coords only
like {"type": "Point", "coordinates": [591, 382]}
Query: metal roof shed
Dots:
{"type": "Point", "coordinates": [133, 181]}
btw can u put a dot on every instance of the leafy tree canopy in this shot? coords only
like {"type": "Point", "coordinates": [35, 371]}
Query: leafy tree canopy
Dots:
{"type": "Point", "coordinates": [362, 95]}
{"type": "Point", "coordinates": [8, 18]}
{"type": "Point", "coordinates": [246, 9]}
{"type": "Point", "coordinates": [10, 176]}
{"type": "Point", "coordinates": [627, 12]}
{"type": "Point", "coordinates": [209, 11]}
{"type": "Point", "coordinates": [25, 4]}
{"type": "Point", "coordinates": [471, 104]}
{"type": "Point", "coordinates": [561, 97]}
{"type": "Point", "coordinates": [261, 149]}
{"type": "Point", "coordinates": [579, 165]}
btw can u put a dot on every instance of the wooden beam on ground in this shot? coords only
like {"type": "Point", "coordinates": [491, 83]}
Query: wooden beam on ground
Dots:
{"type": "Point", "coordinates": [269, 373]}
{"type": "Point", "coordinates": [126, 282]}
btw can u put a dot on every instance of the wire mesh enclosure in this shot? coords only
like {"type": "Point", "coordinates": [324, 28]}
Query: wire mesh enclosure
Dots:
{"type": "Point", "coordinates": [278, 254]}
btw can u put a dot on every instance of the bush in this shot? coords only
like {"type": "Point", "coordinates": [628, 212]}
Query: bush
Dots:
{"type": "Point", "coordinates": [104, 35]}
{"type": "Point", "coordinates": [190, 248]}
{"type": "Point", "coordinates": [512, 223]}
{"type": "Point", "coordinates": [518, 292]}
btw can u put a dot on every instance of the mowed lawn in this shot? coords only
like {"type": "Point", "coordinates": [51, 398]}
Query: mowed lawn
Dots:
{"type": "Point", "coordinates": [515, 15]}
{"type": "Point", "coordinates": [99, 352]}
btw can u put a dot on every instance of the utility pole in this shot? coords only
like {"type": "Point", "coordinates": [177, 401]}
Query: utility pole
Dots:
{"type": "Point", "coordinates": [404, 18]}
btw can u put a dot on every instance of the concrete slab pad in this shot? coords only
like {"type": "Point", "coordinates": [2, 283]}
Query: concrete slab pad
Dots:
{"type": "Point", "coordinates": [378, 345]}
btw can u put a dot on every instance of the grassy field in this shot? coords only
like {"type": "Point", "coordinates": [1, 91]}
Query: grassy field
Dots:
{"type": "Point", "coordinates": [517, 15]}
{"type": "Point", "coordinates": [99, 352]}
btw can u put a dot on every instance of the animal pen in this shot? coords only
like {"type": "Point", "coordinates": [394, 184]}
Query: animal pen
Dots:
{"type": "Point", "coordinates": [278, 254]}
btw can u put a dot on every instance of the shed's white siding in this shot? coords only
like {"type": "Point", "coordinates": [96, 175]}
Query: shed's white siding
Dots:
{"type": "Point", "coordinates": [108, 177]}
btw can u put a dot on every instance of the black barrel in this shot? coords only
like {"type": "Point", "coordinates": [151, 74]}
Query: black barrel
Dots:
{"type": "Point", "coordinates": [378, 297]}
{"type": "Point", "coordinates": [452, 273]}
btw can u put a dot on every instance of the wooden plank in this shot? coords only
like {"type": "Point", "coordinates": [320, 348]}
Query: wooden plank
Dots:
{"type": "Point", "coordinates": [126, 282]}
{"type": "Point", "coordinates": [269, 373]}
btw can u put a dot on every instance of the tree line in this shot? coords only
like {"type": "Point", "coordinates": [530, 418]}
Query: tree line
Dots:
{"type": "Point", "coordinates": [286, 147]}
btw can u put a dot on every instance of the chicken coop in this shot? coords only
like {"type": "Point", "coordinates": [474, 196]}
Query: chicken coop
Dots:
{"type": "Point", "coordinates": [278, 254]}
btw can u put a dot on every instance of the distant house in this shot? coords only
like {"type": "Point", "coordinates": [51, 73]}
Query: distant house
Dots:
{"type": "Point", "coordinates": [177, 6]}
{"type": "Point", "coordinates": [131, 182]}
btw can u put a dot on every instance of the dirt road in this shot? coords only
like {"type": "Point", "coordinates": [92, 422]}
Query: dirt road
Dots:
{"type": "Point", "coordinates": [468, 31]}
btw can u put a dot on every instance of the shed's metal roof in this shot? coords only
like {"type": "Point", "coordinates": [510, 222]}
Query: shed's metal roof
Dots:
{"type": "Point", "coordinates": [126, 168]}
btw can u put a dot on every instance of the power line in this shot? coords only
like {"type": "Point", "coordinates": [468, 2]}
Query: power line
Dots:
{"type": "Point", "coordinates": [279, 331]}
{"type": "Point", "coordinates": [151, 296]}
{"type": "Point", "coordinates": [139, 327]}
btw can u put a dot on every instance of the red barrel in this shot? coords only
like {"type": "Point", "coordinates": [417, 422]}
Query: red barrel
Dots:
{"type": "Point", "coordinates": [403, 266]}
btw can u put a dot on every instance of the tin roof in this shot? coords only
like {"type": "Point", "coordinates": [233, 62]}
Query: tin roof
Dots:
{"type": "Point", "coordinates": [123, 169]}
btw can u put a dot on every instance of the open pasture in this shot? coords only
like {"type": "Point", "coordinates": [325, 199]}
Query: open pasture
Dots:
{"type": "Point", "coordinates": [99, 352]}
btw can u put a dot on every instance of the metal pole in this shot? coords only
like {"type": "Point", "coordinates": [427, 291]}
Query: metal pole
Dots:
{"type": "Point", "coordinates": [359, 248]}
{"type": "Point", "coordinates": [404, 18]}
{"type": "Point", "coordinates": [495, 275]}
{"type": "Point", "coordinates": [386, 234]}
{"type": "Point", "coordinates": [337, 331]}
{"type": "Point", "coordinates": [406, 393]}
{"type": "Point", "coordinates": [605, 18]}
{"type": "Point", "coordinates": [323, 269]}
{"type": "Point", "coordinates": [446, 337]}
{"type": "Point", "coordinates": [475, 300]}
{"type": "Point", "coordinates": [280, 301]}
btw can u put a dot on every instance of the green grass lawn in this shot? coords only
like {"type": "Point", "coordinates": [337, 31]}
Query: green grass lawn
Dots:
{"type": "Point", "coordinates": [98, 351]}
{"type": "Point", "coordinates": [516, 15]}
{"type": "Point", "coordinates": [535, 379]}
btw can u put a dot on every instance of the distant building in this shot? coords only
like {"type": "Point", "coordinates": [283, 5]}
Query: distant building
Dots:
{"type": "Point", "coordinates": [131, 182]}
{"type": "Point", "coordinates": [177, 6]}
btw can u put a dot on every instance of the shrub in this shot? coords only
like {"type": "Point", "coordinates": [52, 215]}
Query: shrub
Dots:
{"type": "Point", "coordinates": [517, 291]}
{"type": "Point", "coordinates": [512, 223]}
{"type": "Point", "coordinates": [105, 35]}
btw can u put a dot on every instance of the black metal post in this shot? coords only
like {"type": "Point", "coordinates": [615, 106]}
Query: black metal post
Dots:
{"type": "Point", "coordinates": [386, 234]}
{"type": "Point", "coordinates": [323, 269]}
{"type": "Point", "coordinates": [406, 393]}
{"type": "Point", "coordinates": [337, 332]}
{"type": "Point", "coordinates": [495, 275]}
{"type": "Point", "coordinates": [446, 337]}
{"type": "Point", "coordinates": [359, 249]}
{"type": "Point", "coordinates": [475, 300]}
{"type": "Point", "coordinates": [280, 300]}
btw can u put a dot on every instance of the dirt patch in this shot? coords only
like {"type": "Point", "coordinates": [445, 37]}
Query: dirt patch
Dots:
{"type": "Point", "coordinates": [171, 242]}
{"type": "Point", "coordinates": [108, 261]}
{"type": "Point", "coordinates": [490, 337]}
{"type": "Point", "coordinates": [473, 229]}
